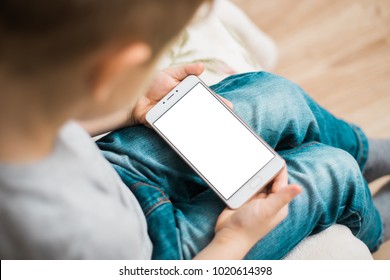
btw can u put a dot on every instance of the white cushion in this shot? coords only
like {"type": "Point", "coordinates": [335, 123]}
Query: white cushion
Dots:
{"type": "Point", "coordinates": [334, 243]}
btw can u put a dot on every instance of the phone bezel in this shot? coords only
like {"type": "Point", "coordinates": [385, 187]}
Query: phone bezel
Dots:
{"type": "Point", "coordinates": [260, 179]}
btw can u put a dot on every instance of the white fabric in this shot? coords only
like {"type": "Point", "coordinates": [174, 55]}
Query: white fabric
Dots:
{"type": "Point", "coordinates": [335, 243]}
{"type": "Point", "coordinates": [219, 44]}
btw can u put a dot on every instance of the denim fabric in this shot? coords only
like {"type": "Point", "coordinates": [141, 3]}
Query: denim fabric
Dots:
{"type": "Point", "coordinates": [325, 155]}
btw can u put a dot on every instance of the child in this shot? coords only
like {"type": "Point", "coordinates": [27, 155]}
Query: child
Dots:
{"type": "Point", "coordinates": [92, 60]}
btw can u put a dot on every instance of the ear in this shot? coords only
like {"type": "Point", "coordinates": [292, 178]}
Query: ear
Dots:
{"type": "Point", "coordinates": [110, 67]}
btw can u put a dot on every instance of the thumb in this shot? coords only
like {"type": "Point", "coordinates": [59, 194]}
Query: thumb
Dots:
{"type": "Point", "coordinates": [282, 197]}
{"type": "Point", "coordinates": [227, 102]}
{"type": "Point", "coordinates": [181, 72]}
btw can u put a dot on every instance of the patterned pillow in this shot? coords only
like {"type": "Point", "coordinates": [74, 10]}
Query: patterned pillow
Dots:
{"type": "Point", "coordinates": [219, 42]}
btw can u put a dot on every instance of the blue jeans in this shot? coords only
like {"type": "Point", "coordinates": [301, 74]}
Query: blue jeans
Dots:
{"type": "Point", "coordinates": [325, 155]}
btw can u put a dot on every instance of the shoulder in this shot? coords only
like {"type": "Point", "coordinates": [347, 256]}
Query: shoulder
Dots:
{"type": "Point", "coordinates": [72, 205]}
{"type": "Point", "coordinates": [66, 230]}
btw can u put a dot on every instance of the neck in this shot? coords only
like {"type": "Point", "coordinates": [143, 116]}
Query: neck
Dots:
{"type": "Point", "coordinates": [25, 136]}
{"type": "Point", "coordinates": [26, 142]}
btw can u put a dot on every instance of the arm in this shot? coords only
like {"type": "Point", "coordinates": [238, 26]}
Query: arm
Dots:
{"type": "Point", "coordinates": [237, 231]}
{"type": "Point", "coordinates": [224, 248]}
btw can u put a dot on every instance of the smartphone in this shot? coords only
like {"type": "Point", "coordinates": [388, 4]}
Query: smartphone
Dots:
{"type": "Point", "coordinates": [224, 151]}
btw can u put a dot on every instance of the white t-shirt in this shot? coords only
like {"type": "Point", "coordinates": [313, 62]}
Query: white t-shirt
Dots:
{"type": "Point", "coordinates": [70, 205]}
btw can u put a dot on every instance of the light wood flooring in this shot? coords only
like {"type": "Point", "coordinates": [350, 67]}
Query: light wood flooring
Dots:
{"type": "Point", "coordinates": [339, 52]}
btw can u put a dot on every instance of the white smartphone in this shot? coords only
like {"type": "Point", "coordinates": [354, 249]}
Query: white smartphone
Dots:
{"type": "Point", "coordinates": [232, 159]}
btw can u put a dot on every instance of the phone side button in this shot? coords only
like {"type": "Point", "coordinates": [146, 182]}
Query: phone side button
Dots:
{"type": "Point", "coordinates": [256, 182]}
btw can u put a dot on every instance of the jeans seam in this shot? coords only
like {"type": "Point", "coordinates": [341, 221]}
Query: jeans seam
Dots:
{"type": "Point", "coordinates": [151, 209]}
{"type": "Point", "coordinates": [361, 145]}
{"type": "Point", "coordinates": [160, 202]}
{"type": "Point", "coordinates": [294, 150]}
{"type": "Point", "coordinates": [357, 213]}
{"type": "Point", "coordinates": [221, 86]}
{"type": "Point", "coordinates": [342, 209]}
{"type": "Point", "coordinates": [351, 211]}
{"type": "Point", "coordinates": [232, 79]}
{"type": "Point", "coordinates": [140, 184]}
{"type": "Point", "coordinates": [359, 219]}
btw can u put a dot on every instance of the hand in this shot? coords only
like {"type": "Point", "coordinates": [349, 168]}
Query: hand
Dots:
{"type": "Point", "coordinates": [260, 215]}
{"type": "Point", "coordinates": [163, 83]}
{"type": "Point", "coordinates": [237, 231]}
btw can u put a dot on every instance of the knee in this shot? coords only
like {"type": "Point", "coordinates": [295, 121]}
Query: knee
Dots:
{"type": "Point", "coordinates": [344, 166]}
{"type": "Point", "coordinates": [282, 94]}
{"type": "Point", "coordinates": [258, 86]}
{"type": "Point", "coordinates": [333, 170]}
{"type": "Point", "coordinates": [275, 86]}
{"type": "Point", "coordinates": [338, 164]}
{"type": "Point", "coordinates": [272, 103]}
{"type": "Point", "coordinates": [272, 96]}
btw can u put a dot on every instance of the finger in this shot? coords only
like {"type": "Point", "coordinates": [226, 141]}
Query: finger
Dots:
{"type": "Point", "coordinates": [278, 200]}
{"type": "Point", "coordinates": [227, 102]}
{"type": "Point", "coordinates": [261, 195]}
{"type": "Point", "coordinates": [182, 71]}
{"type": "Point", "coordinates": [281, 180]}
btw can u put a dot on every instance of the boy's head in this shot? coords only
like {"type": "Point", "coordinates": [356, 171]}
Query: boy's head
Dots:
{"type": "Point", "coordinates": [69, 52]}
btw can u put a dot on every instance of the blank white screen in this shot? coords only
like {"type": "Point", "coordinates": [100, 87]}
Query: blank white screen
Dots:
{"type": "Point", "coordinates": [217, 144]}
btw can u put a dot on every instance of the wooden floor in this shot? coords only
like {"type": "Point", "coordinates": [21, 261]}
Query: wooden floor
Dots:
{"type": "Point", "coordinates": [339, 52]}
